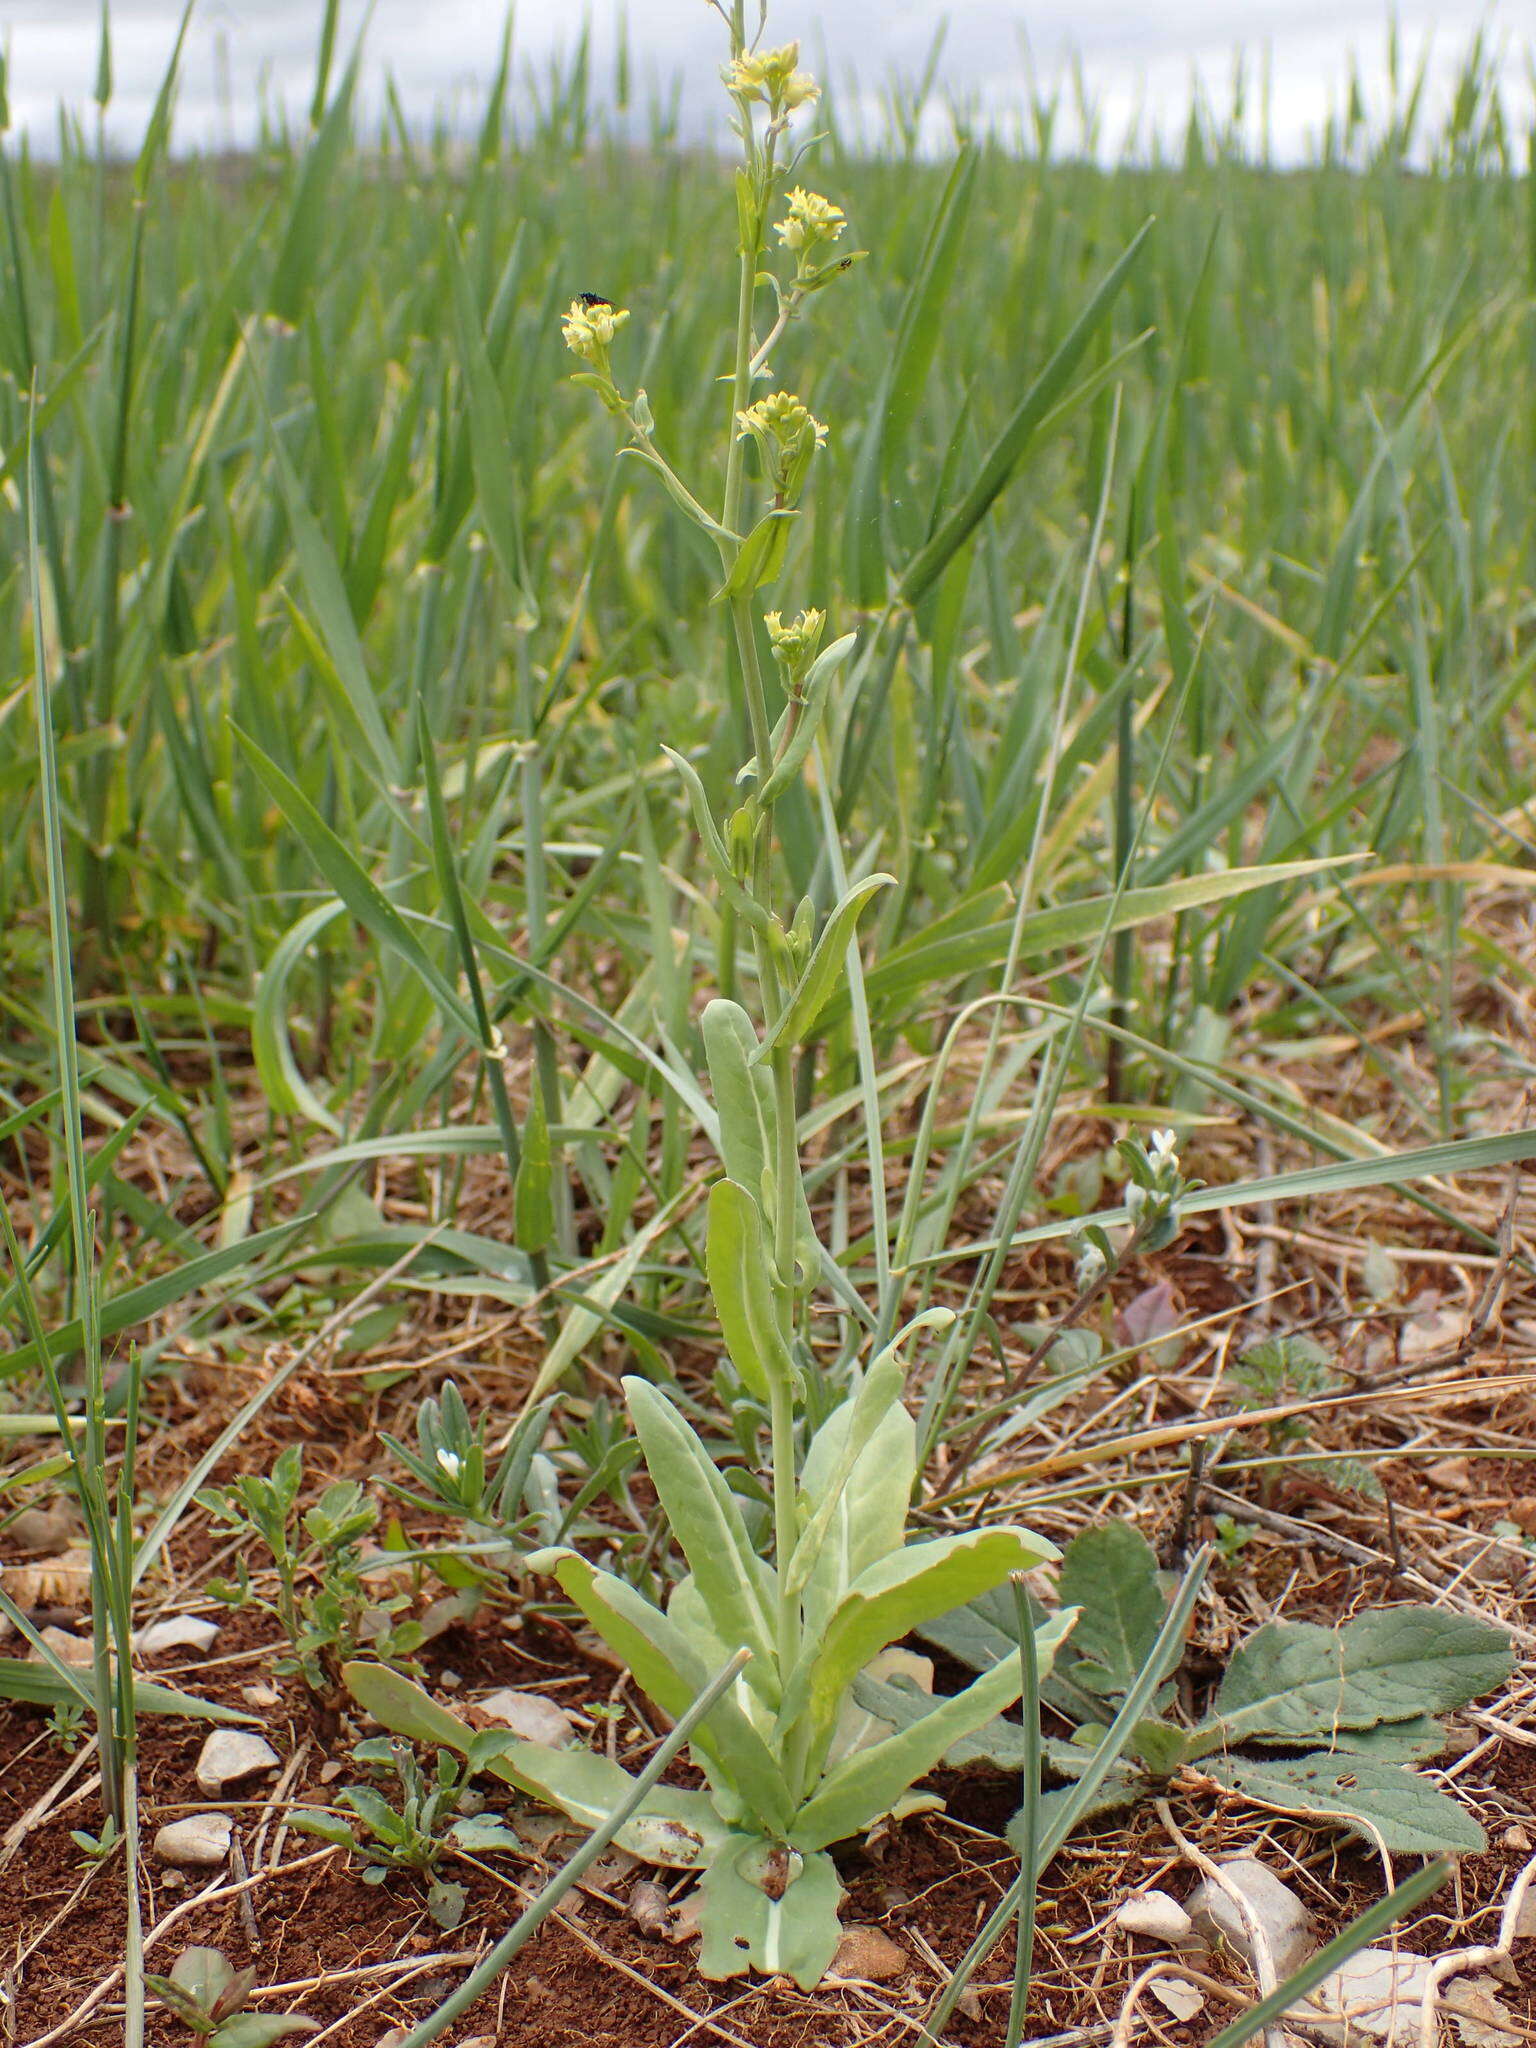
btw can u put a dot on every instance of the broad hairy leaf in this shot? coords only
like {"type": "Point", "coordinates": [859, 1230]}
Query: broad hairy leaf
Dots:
{"type": "Point", "coordinates": [734, 1581]}
{"type": "Point", "coordinates": [743, 1092]}
{"type": "Point", "coordinates": [751, 1918]}
{"type": "Point", "coordinates": [868, 1520]}
{"type": "Point", "coordinates": [877, 1395]}
{"type": "Point", "coordinates": [1302, 1681]}
{"type": "Point", "coordinates": [887, 1600]}
{"type": "Point", "coordinates": [867, 1784]}
{"type": "Point", "coordinates": [1111, 1573]}
{"type": "Point", "coordinates": [985, 1630]}
{"type": "Point", "coordinates": [737, 1262]}
{"type": "Point", "coordinates": [1374, 1800]}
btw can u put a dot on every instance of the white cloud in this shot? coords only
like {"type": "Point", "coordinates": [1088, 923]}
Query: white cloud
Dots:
{"type": "Point", "coordinates": [1138, 62]}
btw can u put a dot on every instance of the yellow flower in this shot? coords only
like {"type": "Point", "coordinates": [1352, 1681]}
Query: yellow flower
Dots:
{"type": "Point", "coordinates": [810, 221]}
{"type": "Point", "coordinates": [796, 643]}
{"type": "Point", "coordinates": [771, 78]}
{"type": "Point", "coordinates": [590, 326]}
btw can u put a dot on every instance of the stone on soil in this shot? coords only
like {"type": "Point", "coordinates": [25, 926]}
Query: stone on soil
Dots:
{"type": "Point", "coordinates": [866, 1952]}
{"type": "Point", "coordinates": [1281, 1916]}
{"type": "Point", "coordinates": [1177, 1997]}
{"type": "Point", "coordinates": [68, 1648]}
{"type": "Point", "coordinates": [229, 1755]}
{"type": "Point", "coordinates": [528, 1714]}
{"type": "Point", "coordinates": [176, 1632]}
{"type": "Point", "coordinates": [1156, 1915]}
{"type": "Point", "coordinates": [200, 1842]}
{"type": "Point", "coordinates": [1375, 1996]}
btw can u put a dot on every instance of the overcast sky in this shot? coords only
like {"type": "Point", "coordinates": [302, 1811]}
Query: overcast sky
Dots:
{"type": "Point", "coordinates": [1138, 58]}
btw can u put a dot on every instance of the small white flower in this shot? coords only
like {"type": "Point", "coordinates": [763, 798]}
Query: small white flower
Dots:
{"type": "Point", "coordinates": [1162, 1150]}
{"type": "Point", "coordinates": [1091, 1265]}
{"type": "Point", "coordinates": [451, 1463]}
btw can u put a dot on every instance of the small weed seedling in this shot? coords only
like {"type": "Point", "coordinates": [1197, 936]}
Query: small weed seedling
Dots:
{"type": "Point", "coordinates": [1278, 1370]}
{"type": "Point", "coordinates": [506, 1507]}
{"type": "Point", "coordinates": [414, 1834]}
{"type": "Point", "coordinates": [324, 1604]}
{"type": "Point", "coordinates": [207, 1994]}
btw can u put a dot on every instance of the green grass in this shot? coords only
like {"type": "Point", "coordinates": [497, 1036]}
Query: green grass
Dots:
{"type": "Point", "coordinates": [369, 735]}
{"type": "Point", "coordinates": [322, 531]}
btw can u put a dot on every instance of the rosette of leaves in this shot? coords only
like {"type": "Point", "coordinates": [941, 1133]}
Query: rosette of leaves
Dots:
{"type": "Point", "coordinates": [208, 1994]}
{"type": "Point", "coordinates": [1316, 1720]}
{"type": "Point", "coordinates": [791, 1762]}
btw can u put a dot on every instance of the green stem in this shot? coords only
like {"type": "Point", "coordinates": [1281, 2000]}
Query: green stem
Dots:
{"type": "Point", "coordinates": [784, 1531]}
{"type": "Point", "coordinates": [546, 1077]}
{"type": "Point", "coordinates": [752, 680]}
{"type": "Point", "coordinates": [786, 1167]}
{"type": "Point", "coordinates": [741, 388]}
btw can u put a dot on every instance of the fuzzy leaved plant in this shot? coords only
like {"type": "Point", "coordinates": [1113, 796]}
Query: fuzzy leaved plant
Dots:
{"type": "Point", "coordinates": [791, 1760]}
{"type": "Point", "coordinates": [1306, 1718]}
{"type": "Point", "coordinates": [792, 1763]}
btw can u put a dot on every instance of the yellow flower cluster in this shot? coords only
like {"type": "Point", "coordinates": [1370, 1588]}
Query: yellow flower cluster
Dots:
{"type": "Point", "coordinates": [783, 418]}
{"type": "Point", "coordinates": [590, 326]}
{"type": "Point", "coordinates": [795, 643]}
{"type": "Point", "coordinates": [771, 77]}
{"type": "Point", "coordinates": [810, 221]}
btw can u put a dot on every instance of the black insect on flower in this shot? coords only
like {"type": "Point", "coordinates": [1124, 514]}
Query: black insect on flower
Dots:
{"type": "Point", "coordinates": [591, 299]}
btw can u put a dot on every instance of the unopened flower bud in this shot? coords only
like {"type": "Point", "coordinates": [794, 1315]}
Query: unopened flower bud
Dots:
{"type": "Point", "coordinates": [1091, 1268]}
{"type": "Point", "coordinates": [795, 645]}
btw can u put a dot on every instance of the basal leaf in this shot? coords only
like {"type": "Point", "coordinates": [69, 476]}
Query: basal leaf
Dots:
{"type": "Point", "coordinates": [890, 1598]}
{"type": "Point", "coordinates": [678, 1829]}
{"type": "Point", "coordinates": [868, 1519]}
{"type": "Point", "coordinates": [1111, 1573]}
{"type": "Point", "coordinates": [706, 1520]}
{"type": "Point", "coordinates": [1303, 1681]}
{"type": "Point", "coordinates": [752, 1919]}
{"type": "Point", "coordinates": [867, 1784]}
{"type": "Point", "coordinates": [1373, 1800]}
{"type": "Point", "coordinates": [866, 1410]}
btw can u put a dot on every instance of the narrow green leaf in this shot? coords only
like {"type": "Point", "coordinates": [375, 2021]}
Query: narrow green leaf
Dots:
{"type": "Point", "coordinates": [930, 562]}
{"type": "Point", "coordinates": [740, 1282]}
{"type": "Point", "coordinates": [825, 969]}
{"type": "Point", "coordinates": [706, 1521]}
{"type": "Point", "coordinates": [356, 888]}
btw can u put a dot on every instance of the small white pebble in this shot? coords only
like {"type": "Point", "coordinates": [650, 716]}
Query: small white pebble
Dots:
{"type": "Point", "coordinates": [200, 1842]}
{"type": "Point", "coordinates": [1156, 1915]}
{"type": "Point", "coordinates": [230, 1754]}
{"type": "Point", "coordinates": [176, 1632]}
